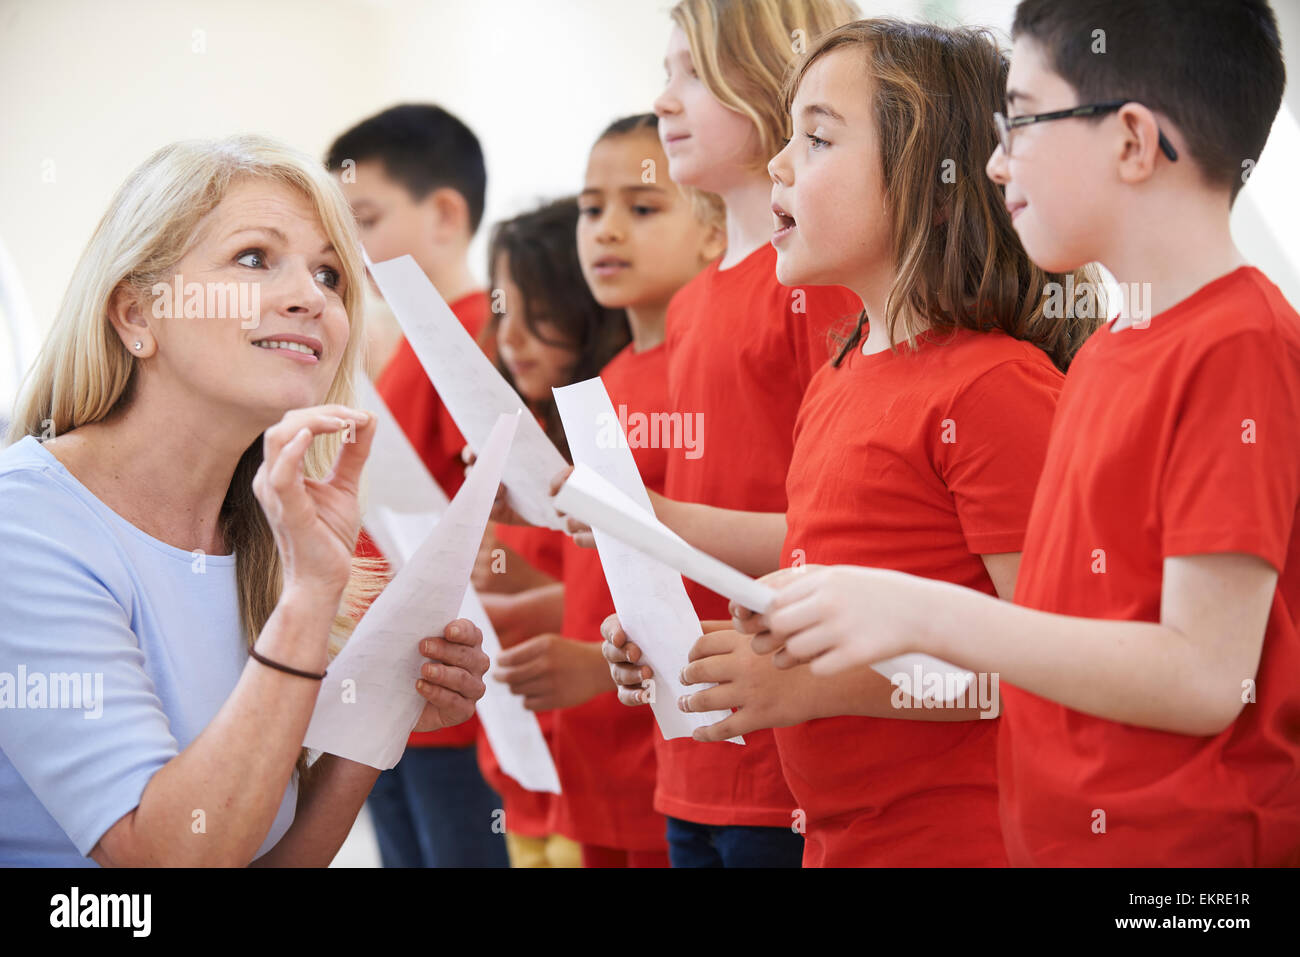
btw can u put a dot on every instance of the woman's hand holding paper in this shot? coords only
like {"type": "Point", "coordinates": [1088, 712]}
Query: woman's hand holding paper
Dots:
{"type": "Point", "coordinates": [452, 679]}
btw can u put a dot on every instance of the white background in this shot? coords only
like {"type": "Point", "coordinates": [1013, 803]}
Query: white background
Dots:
{"type": "Point", "coordinates": [93, 86]}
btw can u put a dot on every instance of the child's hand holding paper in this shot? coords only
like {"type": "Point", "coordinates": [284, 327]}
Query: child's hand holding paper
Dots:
{"type": "Point", "coordinates": [841, 616]}
{"type": "Point", "coordinates": [626, 663]}
{"type": "Point", "coordinates": [550, 671]}
{"type": "Point", "coordinates": [747, 684]}
{"type": "Point", "coordinates": [501, 513]}
{"type": "Point", "coordinates": [578, 531]}
{"type": "Point", "coordinates": [802, 607]}
{"type": "Point", "coordinates": [749, 621]}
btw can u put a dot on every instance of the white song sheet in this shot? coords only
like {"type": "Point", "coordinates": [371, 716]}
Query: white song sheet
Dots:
{"type": "Point", "coordinates": [402, 506]}
{"type": "Point", "coordinates": [590, 498]}
{"type": "Point", "coordinates": [368, 704]}
{"type": "Point", "coordinates": [470, 387]}
{"type": "Point", "coordinates": [651, 602]}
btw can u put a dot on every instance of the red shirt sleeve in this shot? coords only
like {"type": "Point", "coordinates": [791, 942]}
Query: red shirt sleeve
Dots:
{"type": "Point", "coordinates": [1231, 479]}
{"type": "Point", "coordinates": [991, 446]}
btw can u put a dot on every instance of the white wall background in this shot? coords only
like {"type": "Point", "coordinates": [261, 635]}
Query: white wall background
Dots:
{"type": "Point", "coordinates": [88, 88]}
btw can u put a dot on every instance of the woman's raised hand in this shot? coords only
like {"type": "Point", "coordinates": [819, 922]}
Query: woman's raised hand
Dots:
{"type": "Point", "coordinates": [315, 522]}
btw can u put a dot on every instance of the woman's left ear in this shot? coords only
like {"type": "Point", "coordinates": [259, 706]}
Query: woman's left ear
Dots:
{"type": "Point", "coordinates": [128, 319]}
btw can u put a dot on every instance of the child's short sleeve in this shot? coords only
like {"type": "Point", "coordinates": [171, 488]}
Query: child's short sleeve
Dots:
{"type": "Point", "coordinates": [992, 446]}
{"type": "Point", "coordinates": [63, 628]}
{"type": "Point", "coordinates": [1231, 479]}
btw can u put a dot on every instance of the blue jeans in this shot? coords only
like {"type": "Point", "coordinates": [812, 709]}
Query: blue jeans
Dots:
{"type": "Point", "coordinates": [710, 845]}
{"type": "Point", "coordinates": [435, 810]}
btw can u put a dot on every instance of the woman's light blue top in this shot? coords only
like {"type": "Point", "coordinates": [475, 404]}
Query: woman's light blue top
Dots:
{"type": "Point", "coordinates": [116, 650]}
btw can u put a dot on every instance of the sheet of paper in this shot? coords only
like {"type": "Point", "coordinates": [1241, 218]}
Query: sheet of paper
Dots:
{"type": "Point", "coordinates": [590, 498]}
{"type": "Point", "coordinates": [401, 507]}
{"type": "Point", "coordinates": [651, 601]}
{"type": "Point", "coordinates": [368, 704]}
{"type": "Point", "coordinates": [396, 482]}
{"type": "Point", "coordinates": [511, 729]}
{"type": "Point", "coordinates": [470, 386]}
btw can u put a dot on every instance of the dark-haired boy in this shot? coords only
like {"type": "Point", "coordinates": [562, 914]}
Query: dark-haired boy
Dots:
{"type": "Point", "coordinates": [1175, 455]}
{"type": "Point", "coordinates": [415, 177]}
{"type": "Point", "coordinates": [1152, 650]}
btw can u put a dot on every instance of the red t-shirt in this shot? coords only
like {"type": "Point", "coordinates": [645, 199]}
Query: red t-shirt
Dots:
{"type": "Point", "coordinates": [407, 391]}
{"type": "Point", "coordinates": [741, 350]}
{"type": "Point", "coordinates": [919, 462]}
{"type": "Point", "coordinates": [604, 750]}
{"type": "Point", "coordinates": [1175, 439]}
{"type": "Point", "coordinates": [527, 812]}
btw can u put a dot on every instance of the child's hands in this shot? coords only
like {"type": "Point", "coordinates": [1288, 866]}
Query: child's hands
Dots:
{"type": "Point", "coordinates": [623, 656]}
{"type": "Point", "coordinates": [505, 611]}
{"type": "Point", "coordinates": [747, 682]}
{"type": "Point", "coordinates": [580, 532]}
{"type": "Point", "coordinates": [842, 616]}
{"type": "Point", "coordinates": [551, 671]}
{"type": "Point", "coordinates": [749, 622]}
{"type": "Point", "coordinates": [451, 681]}
{"type": "Point", "coordinates": [501, 511]}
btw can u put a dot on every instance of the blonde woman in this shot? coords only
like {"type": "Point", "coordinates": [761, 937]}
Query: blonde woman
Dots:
{"type": "Point", "coordinates": [177, 553]}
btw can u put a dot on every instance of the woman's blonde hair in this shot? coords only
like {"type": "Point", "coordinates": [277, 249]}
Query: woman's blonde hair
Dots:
{"type": "Point", "coordinates": [743, 50]}
{"type": "Point", "coordinates": [84, 372]}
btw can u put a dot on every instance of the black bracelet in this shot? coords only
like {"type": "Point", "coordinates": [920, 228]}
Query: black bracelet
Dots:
{"type": "Point", "coordinates": [285, 668]}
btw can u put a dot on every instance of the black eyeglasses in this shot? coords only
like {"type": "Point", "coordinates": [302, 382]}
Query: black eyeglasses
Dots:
{"type": "Point", "coordinates": [1005, 126]}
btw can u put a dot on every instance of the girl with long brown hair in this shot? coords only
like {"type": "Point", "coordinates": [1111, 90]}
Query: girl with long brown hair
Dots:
{"type": "Point", "coordinates": [918, 446]}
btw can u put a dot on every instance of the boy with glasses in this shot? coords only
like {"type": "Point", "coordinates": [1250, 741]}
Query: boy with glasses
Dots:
{"type": "Point", "coordinates": [1148, 664]}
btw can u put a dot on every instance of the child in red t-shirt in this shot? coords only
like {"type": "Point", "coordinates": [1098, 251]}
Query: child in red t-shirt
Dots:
{"type": "Point", "coordinates": [638, 242]}
{"type": "Point", "coordinates": [903, 456]}
{"type": "Point", "coordinates": [741, 350]}
{"type": "Point", "coordinates": [1154, 655]}
{"type": "Point", "coordinates": [414, 176]}
{"type": "Point", "coordinates": [549, 331]}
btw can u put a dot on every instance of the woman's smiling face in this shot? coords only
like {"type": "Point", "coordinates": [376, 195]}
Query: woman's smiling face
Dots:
{"type": "Point", "coordinates": [263, 245]}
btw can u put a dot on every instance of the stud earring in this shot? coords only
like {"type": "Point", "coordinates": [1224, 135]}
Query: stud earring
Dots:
{"type": "Point", "coordinates": [138, 345]}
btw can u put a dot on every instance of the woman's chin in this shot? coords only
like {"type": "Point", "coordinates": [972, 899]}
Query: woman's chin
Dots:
{"type": "Point", "coordinates": [276, 407]}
